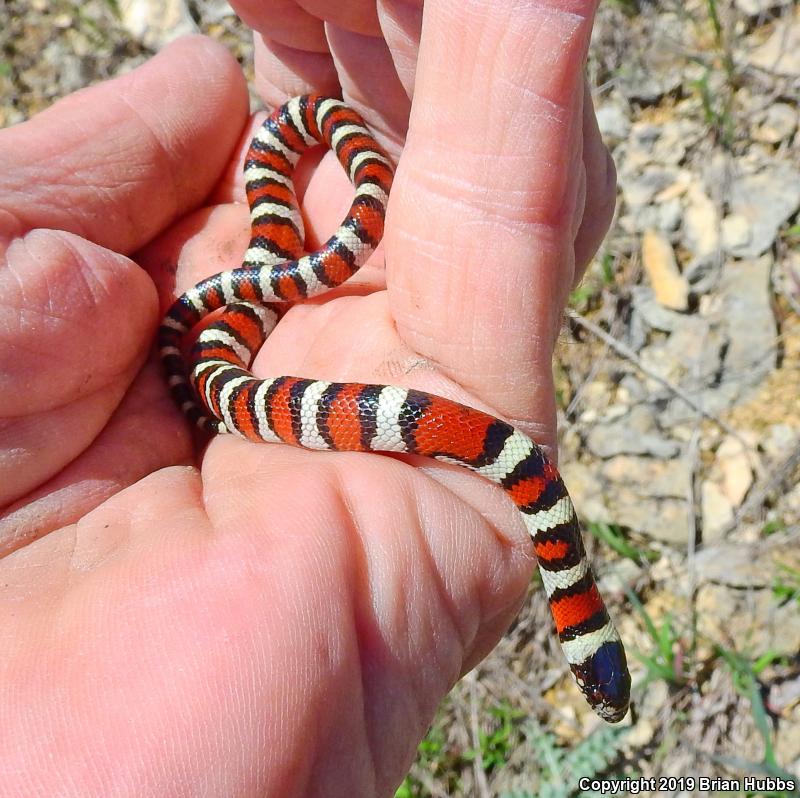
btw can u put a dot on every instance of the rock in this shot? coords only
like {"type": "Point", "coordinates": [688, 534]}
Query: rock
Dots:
{"type": "Point", "coordinates": [662, 216]}
{"type": "Point", "coordinates": [723, 491]}
{"type": "Point", "coordinates": [646, 84]}
{"type": "Point", "coordinates": [733, 463]}
{"type": "Point", "coordinates": [649, 496]}
{"type": "Point", "coordinates": [215, 10]}
{"type": "Point", "coordinates": [595, 394]}
{"type": "Point", "coordinates": [617, 574]}
{"type": "Point", "coordinates": [717, 511]}
{"type": "Point", "coordinates": [721, 357]}
{"type": "Point", "coordinates": [747, 312]}
{"type": "Point", "coordinates": [780, 54]}
{"type": "Point", "coordinates": [631, 390]}
{"type": "Point", "coordinates": [669, 287]}
{"type": "Point", "coordinates": [634, 433]}
{"type": "Point", "coordinates": [755, 8]}
{"type": "Point", "coordinates": [655, 315]}
{"type": "Point", "coordinates": [784, 694]}
{"type": "Point", "coordinates": [702, 274]}
{"type": "Point", "coordinates": [640, 493]}
{"type": "Point", "coordinates": [691, 355]}
{"type": "Point", "coordinates": [677, 133]}
{"type": "Point", "coordinates": [661, 142]}
{"type": "Point", "coordinates": [766, 200]}
{"type": "Point", "coordinates": [637, 333]}
{"type": "Point", "coordinates": [678, 189]}
{"type": "Point", "coordinates": [663, 520]}
{"type": "Point", "coordinates": [715, 176]}
{"type": "Point", "coordinates": [792, 501]}
{"type": "Point", "coordinates": [778, 123]}
{"type": "Point", "coordinates": [156, 22]}
{"type": "Point", "coordinates": [701, 225]}
{"type": "Point", "coordinates": [670, 214]}
{"type": "Point", "coordinates": [780, 440]}
{"type": "Point", "coordinates": [654, 699]}
{"type": "Point", "coordinates": [587, 490]}
{"type": "Point", "coordinates": [753, 615]}
{"type": "Point", "coordinates": [614, 123]}
{"type": "Point", "coordinates": [639, 146]}
{"type": "Point", "coordinates": [644, 730]}
{"type": "Point", "coordinates": [74, 70]}
{"type": "Point", "coordinates": [730, 564]}
{"type": "Point", "coordinates": [640, 188]}
{"type": "Point", "coordinates": [786, 279]}
{"type": "Point", "coordinates": [665, 218]}
{"type": "Point", "coordinates": [647, 75]}
{"type": "Point", "coordinates": [736, 233]}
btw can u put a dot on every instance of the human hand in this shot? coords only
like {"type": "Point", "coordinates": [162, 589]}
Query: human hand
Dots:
{"type": "Point", "coordinates": [257, 625]}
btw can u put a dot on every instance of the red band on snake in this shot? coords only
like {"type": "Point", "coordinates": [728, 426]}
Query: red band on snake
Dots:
{"type": "Point", "coordinates": [219, 394]}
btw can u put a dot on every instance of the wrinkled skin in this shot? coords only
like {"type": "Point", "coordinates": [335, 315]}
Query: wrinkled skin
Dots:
{"type": "Point", "coordinates": [259, 620]}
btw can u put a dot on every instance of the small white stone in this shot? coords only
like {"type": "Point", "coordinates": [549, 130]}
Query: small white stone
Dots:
{"type": "Point", "coordinates": [734, 465]}
{"type": "Point", "coordinates": [736, 232]}
{"type": "Point", "coordinates": [717, 511]}
{"type": "Point", "coordinates": [701, 223]}
{"type": "Point", "coordinates": [779, 123]}
{"type": "Point", "coordinates": [156, 22]}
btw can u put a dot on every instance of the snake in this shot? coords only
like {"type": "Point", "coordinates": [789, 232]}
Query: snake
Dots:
{"type": "Point", "coordinates": [214, 388]}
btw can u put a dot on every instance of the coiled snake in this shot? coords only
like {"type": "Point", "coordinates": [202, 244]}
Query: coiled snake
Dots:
{"type": "Point", "coordinates": [219, 394]}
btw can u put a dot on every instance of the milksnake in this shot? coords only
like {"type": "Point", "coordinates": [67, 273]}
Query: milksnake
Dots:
{"type": "Point", "coordinates": [221, 395]}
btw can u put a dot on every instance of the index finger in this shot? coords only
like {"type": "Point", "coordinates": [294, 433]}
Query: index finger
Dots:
{"type": "Point", "coordinates": [130, 155]}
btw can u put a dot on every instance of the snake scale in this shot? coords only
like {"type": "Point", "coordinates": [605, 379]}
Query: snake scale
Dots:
{"type": "Point", "coordinates": [216, 391]}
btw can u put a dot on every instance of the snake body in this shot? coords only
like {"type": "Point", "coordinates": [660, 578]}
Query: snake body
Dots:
{"type": "Point", "coordinates": [219, 394]}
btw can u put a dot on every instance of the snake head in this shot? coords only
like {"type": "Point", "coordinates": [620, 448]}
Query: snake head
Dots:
{"type": "Point", "coordinates": [604, 679]}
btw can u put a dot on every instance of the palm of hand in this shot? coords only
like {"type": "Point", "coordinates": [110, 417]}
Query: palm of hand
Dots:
{"type": "Point", "coordinates": [288, 606]}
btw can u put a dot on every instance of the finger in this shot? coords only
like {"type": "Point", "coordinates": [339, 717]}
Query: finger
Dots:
{"type": "Point", "coordinates": [357, 67]}
{"type": "Point", "coordinates": [143, 435]}
{"type": "Point", "coordinates": [401, 22]}
{"type": "Point", "coordinates": [78, 323]}
{"type": "Point", "coordinates": [282, 71]}
{"type": "Point", "coordinates": [291, 50]}
{"type": "Point", "coordinates": [370, 84]}
{"type": "Point", "coordinates": [117, 162]}
{"type": "Point", "coordinates": [483, 215]}
{"type": "Point", "coordinates": [359, 16]}
{"type": "Point", "coordinates": [601, 189]}
{"type": "Point", "coordinates": [285, 22]}
{"type": "Point", "coordinates": [330, 48]}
